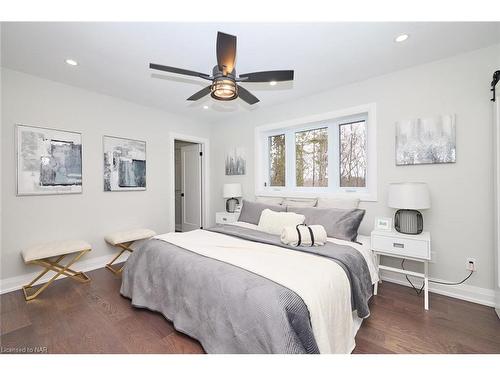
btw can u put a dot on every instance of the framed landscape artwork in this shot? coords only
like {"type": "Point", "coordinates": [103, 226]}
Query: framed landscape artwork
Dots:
{"type": "Point", "coordinates": [124, 164]}
{"type": "Point", "coordinates": [235, 162]}
{"type": "Point", "coordinates": [49, 161]}
{"type": "Point", "coordinates": [426, 141]}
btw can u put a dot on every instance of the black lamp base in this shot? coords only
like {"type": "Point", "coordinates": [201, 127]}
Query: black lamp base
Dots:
{"type": "Point", "coordinates": [231, 204]}
{"type": "Point", "coordinates": [408, 222]}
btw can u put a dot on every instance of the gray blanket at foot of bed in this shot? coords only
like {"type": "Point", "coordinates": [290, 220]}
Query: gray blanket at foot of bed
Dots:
{"type": "Point", "coordinates": [226, 308]}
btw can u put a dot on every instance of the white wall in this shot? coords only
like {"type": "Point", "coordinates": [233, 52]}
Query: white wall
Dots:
{"type": "Point", "coordinates": [460, 219]}
{"type": "Point", "coordinates": [29, 220]}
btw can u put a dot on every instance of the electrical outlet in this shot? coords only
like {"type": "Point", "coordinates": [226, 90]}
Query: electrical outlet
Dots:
{"type": "Point", "coordinates": [471, 264]}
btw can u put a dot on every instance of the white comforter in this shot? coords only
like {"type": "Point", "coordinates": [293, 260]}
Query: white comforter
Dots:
{"type": "Point", "coordinates": [321, 283]}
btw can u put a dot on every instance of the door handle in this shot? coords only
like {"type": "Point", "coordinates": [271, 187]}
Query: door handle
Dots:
{"type": "Point", "coordinates": [182, 194]}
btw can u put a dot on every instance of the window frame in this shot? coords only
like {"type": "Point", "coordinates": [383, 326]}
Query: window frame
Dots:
{"type": "Point", "coordinates": [332, 120]}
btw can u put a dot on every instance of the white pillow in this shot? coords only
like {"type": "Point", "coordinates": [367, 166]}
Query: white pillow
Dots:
{"type": "Point", "coordinates": [273, 222]}
{"type": "Point", "coordinates": [339, 202]}
{"type": "Point", "coordinates": [300, 202]}
{"type": "Point", "coordinates": [269, 200]}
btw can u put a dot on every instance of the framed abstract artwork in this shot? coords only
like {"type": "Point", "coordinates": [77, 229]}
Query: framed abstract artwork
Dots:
{"type": "Point", "coordinates": [124, 164]}
{"type": "Point", "coordinates": [235, 163]}
{"type": "Point", "coordinates": [49, 161]}
{"type": "Point", "coordinates": [426, 141]}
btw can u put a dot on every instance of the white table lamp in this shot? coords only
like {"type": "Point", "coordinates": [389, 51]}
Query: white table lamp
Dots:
{"type": "Point", "coordinates": [408, 198]}
{"type": "Point", "coordinates": [231, 192]}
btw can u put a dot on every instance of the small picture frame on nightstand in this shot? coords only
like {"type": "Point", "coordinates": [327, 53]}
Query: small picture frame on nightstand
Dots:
{"type": "Point", "coordinates": [383, 223]}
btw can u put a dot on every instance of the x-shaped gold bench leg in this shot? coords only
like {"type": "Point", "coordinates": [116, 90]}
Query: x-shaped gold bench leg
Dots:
{"type": "Point", "coordinates": [59, 269]}
{"type": "Point", "coordinates": [125, 247]}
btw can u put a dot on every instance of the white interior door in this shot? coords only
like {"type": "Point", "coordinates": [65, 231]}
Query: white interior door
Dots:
{"type": "Point", "coordinates": [191, 187]}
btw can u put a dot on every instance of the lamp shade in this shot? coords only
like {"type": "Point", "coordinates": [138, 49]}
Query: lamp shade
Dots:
{"type": "Point", "coordinates": [409, 195]}
{"type": "Point", "coordinates": [232, 191]}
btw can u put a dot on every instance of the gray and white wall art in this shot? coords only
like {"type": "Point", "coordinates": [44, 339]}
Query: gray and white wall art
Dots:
{"type": "Point", "coordinates": [426, 141]}
{"type": "Point", "coordinates": [124, 164]}
{"type": "Point", "coordinates": [49, 161]}
{"type": "Point", "coordinates": [236, 163]}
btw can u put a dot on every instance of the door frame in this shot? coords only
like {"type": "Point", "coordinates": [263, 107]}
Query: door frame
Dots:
{"type": "Point", "coordinates": [496, 151]}
{"type": "Point", "coordinates": [205, 174]}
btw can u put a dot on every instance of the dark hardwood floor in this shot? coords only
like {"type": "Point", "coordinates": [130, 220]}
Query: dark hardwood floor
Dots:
{"type": "Point", "coordinates": [93, 318]}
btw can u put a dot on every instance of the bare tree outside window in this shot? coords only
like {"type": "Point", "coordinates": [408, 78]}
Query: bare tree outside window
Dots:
{"type": "Point", "coordinates": [277, 160]}
{"type": "Point", "coordinates": [311, 157]}
{"type": "Point", "coordinates": [353, 154]}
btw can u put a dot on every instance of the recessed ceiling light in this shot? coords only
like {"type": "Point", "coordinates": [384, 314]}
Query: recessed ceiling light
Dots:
{"type": "Point", "coordinates": [401, 38]}
{"type": "Point", "coordinates": [205, 107]}
{"type": "Point", "coordinates": [71, 62]}
{"type": "Point", "coordinates": [273, 83]}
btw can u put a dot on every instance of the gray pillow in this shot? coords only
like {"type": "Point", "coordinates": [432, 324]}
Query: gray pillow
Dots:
{"type": "Point", "coordinates": [250, 212]}
{"type": "Point", "coordinates": [339, 223]}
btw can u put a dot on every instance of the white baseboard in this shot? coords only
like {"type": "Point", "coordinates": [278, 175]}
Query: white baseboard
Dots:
{"type": "Point", "coordinates": [464, 292]}
{"type": "Point", "coordinates": [15, 283]}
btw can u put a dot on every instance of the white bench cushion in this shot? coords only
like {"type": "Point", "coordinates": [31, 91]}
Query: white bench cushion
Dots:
{"type": "Point", "coordinates": [129, 235]}
{"type": "Point", "coordinates": [52, 249]}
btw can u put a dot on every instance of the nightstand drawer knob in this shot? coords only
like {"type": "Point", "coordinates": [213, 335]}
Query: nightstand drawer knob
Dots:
{"type": "Point", "coordinates": [399, 245]}
{"type": "Point", "coordinates": [224, 218]}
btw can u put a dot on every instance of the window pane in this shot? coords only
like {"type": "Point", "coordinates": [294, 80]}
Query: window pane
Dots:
{"type": "Point", "coordinates": [277, 160]}
{"type": "Point", "coordinates": [311, 157]}
{"type": "Point", "coordinates": [353, 154]}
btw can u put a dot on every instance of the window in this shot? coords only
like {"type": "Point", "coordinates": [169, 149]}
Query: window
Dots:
{"type": "Point", "coordinates": [311, 157]}
{"type": "Point", "coordinates": [277, 160]}
{"type": "Point", "coordinates": [352, 154]}
{"type": "Point", "coordinates": [319, 156]}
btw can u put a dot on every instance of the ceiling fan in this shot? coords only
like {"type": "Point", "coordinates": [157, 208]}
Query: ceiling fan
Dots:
{"type": "Point", "coordinates": [224, 84]}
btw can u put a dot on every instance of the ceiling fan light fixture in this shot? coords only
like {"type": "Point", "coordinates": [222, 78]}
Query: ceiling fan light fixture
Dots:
{"type": "Point", "coordinates": [224, 89]}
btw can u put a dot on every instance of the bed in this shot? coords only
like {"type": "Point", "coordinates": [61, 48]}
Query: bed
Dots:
{"type": "Point", "coordinates": [238, 290]}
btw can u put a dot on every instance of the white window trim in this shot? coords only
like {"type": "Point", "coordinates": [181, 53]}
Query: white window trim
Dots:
{"type": "Point", "coordinates": [261, 156]}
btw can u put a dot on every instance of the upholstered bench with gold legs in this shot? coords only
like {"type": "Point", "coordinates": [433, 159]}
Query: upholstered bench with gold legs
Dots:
{"type": "Point", "coordinates": [124, 240]}
{"type": "Point", "coordinates": [49, 256]}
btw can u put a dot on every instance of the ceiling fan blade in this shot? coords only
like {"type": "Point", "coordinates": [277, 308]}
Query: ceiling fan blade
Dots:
{"type": "Point", "coordinates": [200, 94]}
{"type": "Point", "coordinates": [226, 52]}
{"type": "Point", "coordinates": [247, 96]}
{"type": "Point", "coordinates": [178, 71]}
{"type": "Point", "coordinates": [268, 76]}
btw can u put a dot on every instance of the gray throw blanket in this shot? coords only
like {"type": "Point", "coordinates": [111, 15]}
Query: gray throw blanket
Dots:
{"type": "Point", "coordinates": [351, 260]}
{"type": "Point", "coordinates": [227, 308]}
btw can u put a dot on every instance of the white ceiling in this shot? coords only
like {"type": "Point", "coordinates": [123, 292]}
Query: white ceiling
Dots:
{"type": "Point", "coordinates": [113, 57]}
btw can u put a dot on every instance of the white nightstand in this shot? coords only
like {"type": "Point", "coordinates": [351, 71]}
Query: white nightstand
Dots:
{"type": "Point", "coordinates": [226, 217]}
{"type": "Point", "coordinates": [404, 246]}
